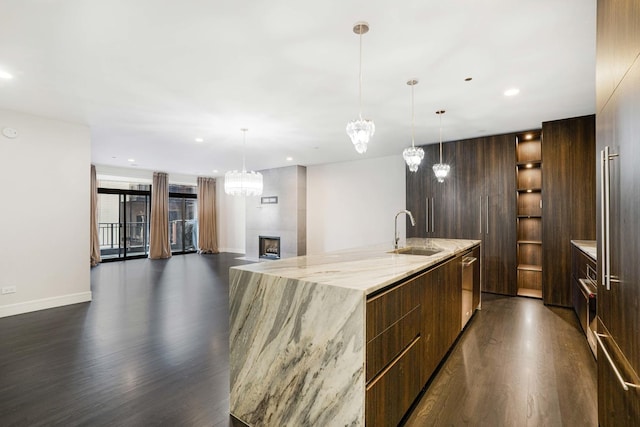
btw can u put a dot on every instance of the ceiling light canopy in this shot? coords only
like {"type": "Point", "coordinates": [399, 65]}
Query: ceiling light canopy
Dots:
{"type": "Point", "coordinates": [441, 170]}
{"type": "Point", "coordinates": [412, 155]}
{"type": "Point", "coordinates": [243, 183]}
{"type": "Point", "coordinates": [361, 130]}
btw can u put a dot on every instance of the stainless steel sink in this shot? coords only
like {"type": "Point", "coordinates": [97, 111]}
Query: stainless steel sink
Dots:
{"type": "Point", "coordinates": [414, 250]}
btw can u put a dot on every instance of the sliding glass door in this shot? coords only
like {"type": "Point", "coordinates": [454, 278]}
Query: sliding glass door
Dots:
{"type": "Point", "coordinates": [123, 223]}
{"type": "Point", "coordinates": [183, 223]}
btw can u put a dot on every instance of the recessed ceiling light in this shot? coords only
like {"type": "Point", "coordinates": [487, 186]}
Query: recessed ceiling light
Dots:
{"type": "Point", "coordinates": [199, 140]}
{"type": "Point", "coordinates": [289, 158]}
{"type": "Point", "coordinates": [512, 92]}
{"type": "Point", "coordinates": [468, 79]}
{"type": "Point", "coordinates": [215, 171]}
{"type": "Point", "coordinates": [528, 136]}
{"type": "Point", "coordinates": [131, 160]}
{"type": "Point", "coordinates": [5, 75]}
{"type": "Point", "coordinates": [529, 165]}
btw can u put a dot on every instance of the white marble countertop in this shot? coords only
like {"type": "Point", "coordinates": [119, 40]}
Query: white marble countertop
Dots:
{"type": "Point", "coordinates": [367, 269]}
{"type": "Point", "coordinates": [587, 246]}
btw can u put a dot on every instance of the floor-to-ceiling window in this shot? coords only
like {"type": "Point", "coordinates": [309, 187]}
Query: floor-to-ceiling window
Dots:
{"type": "Point", "coordinates": [183, 220]}
{"type": "Point", "coordinates": [123, 220]}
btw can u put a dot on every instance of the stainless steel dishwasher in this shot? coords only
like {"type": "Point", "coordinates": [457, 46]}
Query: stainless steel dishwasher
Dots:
{"type": "Point", "coordinates": [468, 262]}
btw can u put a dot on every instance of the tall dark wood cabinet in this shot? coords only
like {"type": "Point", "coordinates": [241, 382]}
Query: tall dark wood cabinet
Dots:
{"type": "Point", "coordinates": [475, 202]}
{"type": "Point", "coordinates": [499, 231]}
{"type": "Point", "coordinates": [568, 193]}
{"type": "Point", "coordinates": [618, 218]}
{"type": "Point", "coordinates": [485, 184]}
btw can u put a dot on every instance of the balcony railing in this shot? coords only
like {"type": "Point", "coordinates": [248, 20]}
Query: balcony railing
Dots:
{"type": "Point", "coordinates": [112, 237]}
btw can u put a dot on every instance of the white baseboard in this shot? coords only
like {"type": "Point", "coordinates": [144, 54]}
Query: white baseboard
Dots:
{"type": "Point", "coordinates": [232, 250]}
{"type": "Point", "coordinates": [43, 304]}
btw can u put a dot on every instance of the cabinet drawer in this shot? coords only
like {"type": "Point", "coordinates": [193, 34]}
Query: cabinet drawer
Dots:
{"type": "Point", "coordinates": [391, 395]}
{"type": "Point", "coordinates": [387, 308]}
{"type": "Point", "coordinates": [385, 347]}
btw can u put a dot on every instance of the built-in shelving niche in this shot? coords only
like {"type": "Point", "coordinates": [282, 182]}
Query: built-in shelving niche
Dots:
{"type": "Point", "coordinates": [529, 215]}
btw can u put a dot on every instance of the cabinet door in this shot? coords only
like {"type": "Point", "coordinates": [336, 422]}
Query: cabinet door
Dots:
{"type": "Point", "coordinates": [429, 299]}
{"type": "Point", "coordinates": [499, 211]}
{"type": "Point", "coordinates": [618, 127]}
{"type": "Point", "coordinates": [617, 44]}
{"type": "Point", "coordinates": [568, 154]}
{"type": "Point", "coordinates": [416, 199]}
{"type": "Point", "coordinates": [447, 308]}
{"type": "Point", "coordinates": [469, 180]}
{"type": "Point", "coordinates": [440, 196]}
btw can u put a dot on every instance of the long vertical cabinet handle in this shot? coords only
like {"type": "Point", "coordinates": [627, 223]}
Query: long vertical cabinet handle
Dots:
{"type": "Point", "coordinates": [433, 213]}
{"type": "Point", "coordinates": [480, 215]}
{"type": "Point", "coordinates": [427, 216]}
{"type": "Point", "coordinates": [487, 230]}
{"type": "Point", "coordinates": [605, 183]}
{"type": "Point", "coordinates": [603, 213]}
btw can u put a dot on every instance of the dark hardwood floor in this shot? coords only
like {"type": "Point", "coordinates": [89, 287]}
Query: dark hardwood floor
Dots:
{"type": "Point", "coordinates": [518, 363]}
{"type": "Point", "coordinates": [152, 349]}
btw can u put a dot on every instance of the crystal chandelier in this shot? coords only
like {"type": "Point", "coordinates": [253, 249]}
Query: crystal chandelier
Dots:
{"type": "Point", "coordinates": [441, 169]}
{"type": "Point", "coordinates": [243, 183]}
{"type": "Point", "coordinates": [412, 155]}
{"type": "Point", "coordinates": [360, 130]}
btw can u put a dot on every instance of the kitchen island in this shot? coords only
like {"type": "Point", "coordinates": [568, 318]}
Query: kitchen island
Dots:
{"type": "Point", "coordinates": [300, 329]}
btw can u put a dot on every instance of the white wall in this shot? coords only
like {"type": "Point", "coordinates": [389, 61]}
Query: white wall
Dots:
{"type": "Point", "coordinates": [44, 218]}
{"type": "Point", "coordinates": [353, 204]}
{"type": "Point", "coordinates": [231, 220]}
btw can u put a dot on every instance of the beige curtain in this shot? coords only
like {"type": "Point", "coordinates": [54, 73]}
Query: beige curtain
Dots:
{"type": "Point", "coordinates": [159, 235]}
{"type": "Point", "coordinates": [207, 233]}
{"type": "Point", "coordinates": [94, 239]}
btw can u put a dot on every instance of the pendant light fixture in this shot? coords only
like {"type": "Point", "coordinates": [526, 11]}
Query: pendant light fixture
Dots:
{"type": "Point", "coordinates": [412, 155]}
{"type": "Point", "coordinates": [360, 130]}
{"type": "Point", "coordinates": [441, 169]}
{"type": "Point", "coordinates": [243, 183]}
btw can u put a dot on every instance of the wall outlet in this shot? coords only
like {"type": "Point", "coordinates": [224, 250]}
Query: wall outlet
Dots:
{"type": "Point", "coordinates": [8, 290]}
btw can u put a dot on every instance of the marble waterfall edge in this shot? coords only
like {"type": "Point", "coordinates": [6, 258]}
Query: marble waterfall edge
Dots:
{"type": "Point", "coordinates": [296, 351]}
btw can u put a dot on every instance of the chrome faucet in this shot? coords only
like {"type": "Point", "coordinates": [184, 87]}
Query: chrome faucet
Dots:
{"type": "Point", "coordinates": [395, 235]}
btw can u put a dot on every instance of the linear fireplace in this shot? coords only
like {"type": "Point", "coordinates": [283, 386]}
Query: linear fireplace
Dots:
{"type": "Point", "coordinates": [269, 247]}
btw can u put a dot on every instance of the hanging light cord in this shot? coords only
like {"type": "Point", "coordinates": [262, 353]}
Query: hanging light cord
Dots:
{"type": "Point", "coordinates": [413, 119]}
{"type": "Point", "coordinates": [360, 76]}
{"type": "Point", "coordinates": [440, 136]}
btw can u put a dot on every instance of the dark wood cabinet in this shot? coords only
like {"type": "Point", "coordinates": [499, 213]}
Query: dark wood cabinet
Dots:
{"type": "Point", "coordinates": [485, 207]}
{"type": "Point", "coordinates": [499, 238]}
{"type": "Point", "coordinates": [618, 131]}
{"type": "Point", "coordinates": [568, 192]}
{"type": "Point", "coordinates": [470, 185]}
{"type": "Point", "coordinates": [409, 330]}
{"type": "Point", "coordinates": [431, 202]}
{"type": "Point", "coordinates": [475, 202]}
{"type": "Point", "coordinates": [394, 352]}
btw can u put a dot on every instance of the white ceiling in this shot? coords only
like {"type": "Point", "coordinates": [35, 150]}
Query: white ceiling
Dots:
{"type": "Point", "coordinates": [149, 76]}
